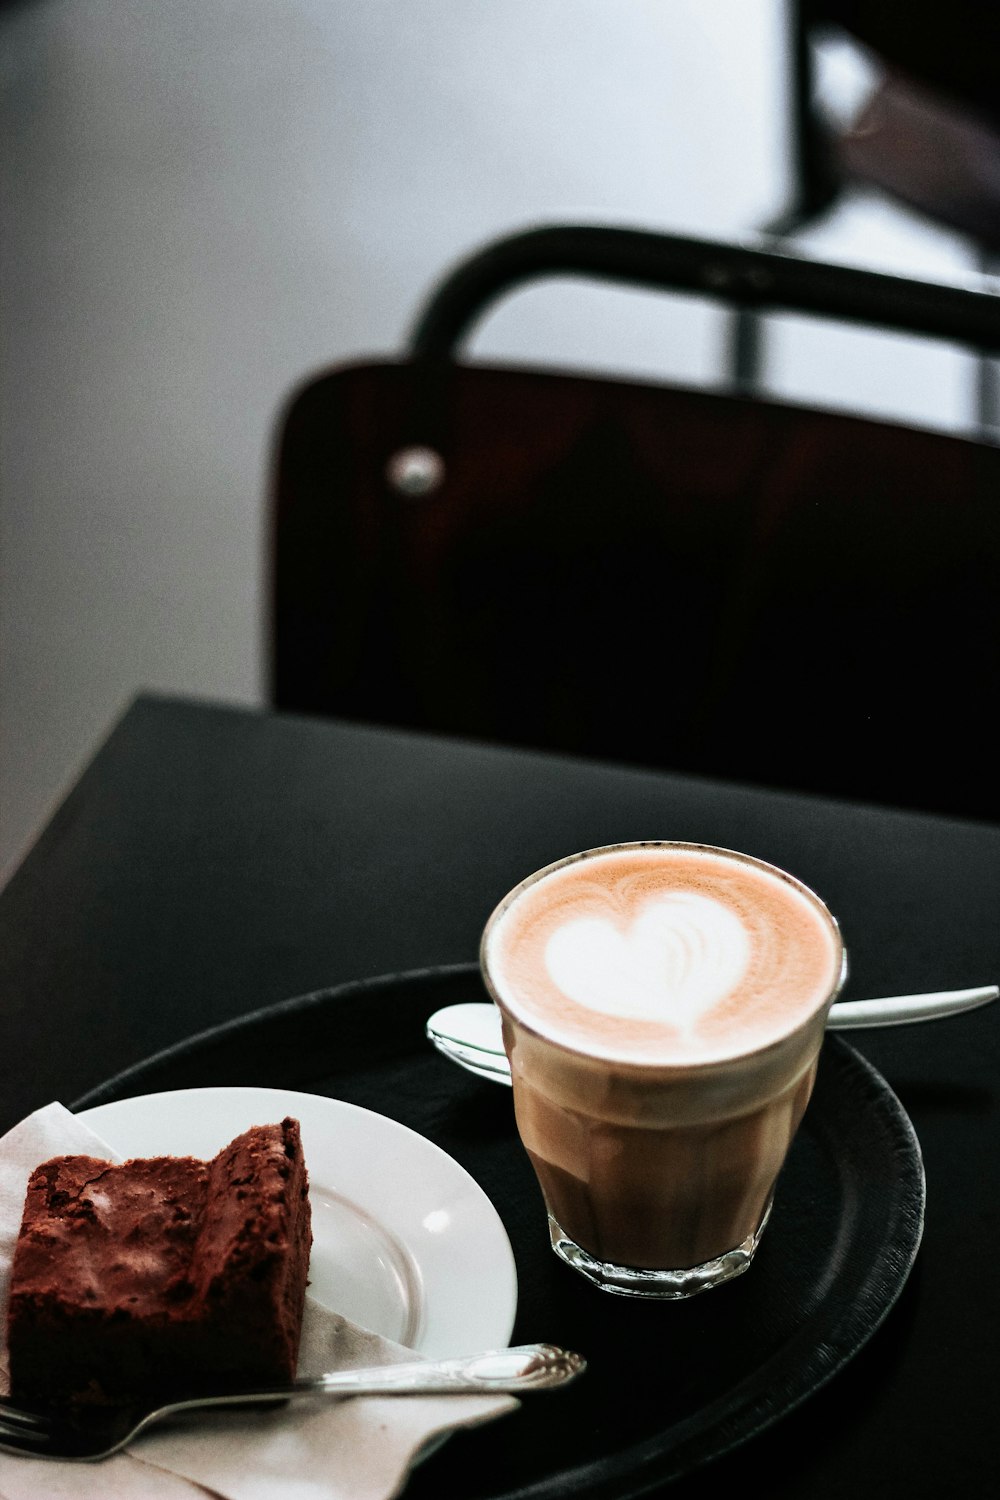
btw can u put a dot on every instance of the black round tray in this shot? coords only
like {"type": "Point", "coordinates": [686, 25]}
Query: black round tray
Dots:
{"type": "Point", "coordinates": [671, 1385]}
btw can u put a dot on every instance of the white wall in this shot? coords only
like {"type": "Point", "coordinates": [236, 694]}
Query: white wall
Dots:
{"type": "Point", "coordinates": [207, 200]}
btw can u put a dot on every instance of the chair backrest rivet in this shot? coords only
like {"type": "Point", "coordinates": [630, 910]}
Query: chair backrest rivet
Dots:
{"type": "Point", "coordinates": [415, 471]}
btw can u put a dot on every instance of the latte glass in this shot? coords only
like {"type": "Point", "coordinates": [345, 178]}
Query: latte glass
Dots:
{"type": "Point", "coordinates": [663, 1009]}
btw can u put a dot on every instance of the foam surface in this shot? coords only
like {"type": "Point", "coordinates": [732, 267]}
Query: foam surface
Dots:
{"type": "Point", "coordinates": [663, 952]}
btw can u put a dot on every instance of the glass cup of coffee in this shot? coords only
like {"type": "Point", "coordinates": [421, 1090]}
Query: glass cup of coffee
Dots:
{"type": "Point", "coordinates": [663, 1009]}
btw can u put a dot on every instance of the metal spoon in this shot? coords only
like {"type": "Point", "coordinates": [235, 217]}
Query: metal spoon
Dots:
{"type": "Point", "coordinates": [469, 1034]}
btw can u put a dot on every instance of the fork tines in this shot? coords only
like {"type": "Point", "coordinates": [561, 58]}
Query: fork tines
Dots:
{"type": "Point", "coordinates": [21, 1422]}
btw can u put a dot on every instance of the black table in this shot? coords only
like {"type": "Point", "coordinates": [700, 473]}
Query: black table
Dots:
{"type": "Point", "coordinates": [212, 861]}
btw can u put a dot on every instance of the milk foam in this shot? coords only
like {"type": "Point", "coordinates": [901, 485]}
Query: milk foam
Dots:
{"type": "Point", "coordinates": [663, 953]}
{"type": "Point", "coordinates": [680, 956]}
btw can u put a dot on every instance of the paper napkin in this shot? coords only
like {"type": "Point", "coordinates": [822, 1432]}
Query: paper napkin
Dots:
{"type": "Point", "coordinates": [360, 1449]}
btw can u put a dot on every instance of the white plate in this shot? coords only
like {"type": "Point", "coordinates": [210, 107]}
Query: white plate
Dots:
{"type": "Point", "coordinates": [405, 1242]}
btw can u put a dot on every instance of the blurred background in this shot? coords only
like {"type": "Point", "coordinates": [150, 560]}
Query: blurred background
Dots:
{"type": "Point", "coordinates": [206, 202]}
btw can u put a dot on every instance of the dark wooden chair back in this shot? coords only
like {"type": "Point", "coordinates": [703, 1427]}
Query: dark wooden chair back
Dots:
{"type": "Point", "coordinates": [671, 578]}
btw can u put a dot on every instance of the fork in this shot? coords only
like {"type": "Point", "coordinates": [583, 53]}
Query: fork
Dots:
{"type": "Point", "coordinates": [87, 1436]}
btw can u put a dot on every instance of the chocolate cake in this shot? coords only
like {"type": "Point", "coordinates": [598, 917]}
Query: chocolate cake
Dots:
{"type": "Point", "coordinates": [162, 1277]}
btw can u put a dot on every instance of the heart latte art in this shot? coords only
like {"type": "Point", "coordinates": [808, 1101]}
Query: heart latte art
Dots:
{"type": "Point", "coordinates": [662, 952]}
{"type": "Point", "coordinates": [681, 955]}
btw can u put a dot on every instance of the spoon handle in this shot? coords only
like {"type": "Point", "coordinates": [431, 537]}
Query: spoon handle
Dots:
{"type": "Point", "coordinates": [898, 1010]}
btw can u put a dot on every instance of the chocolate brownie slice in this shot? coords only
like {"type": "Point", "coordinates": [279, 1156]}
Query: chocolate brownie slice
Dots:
{"type": "Point", "coordinates": [161, 1277]}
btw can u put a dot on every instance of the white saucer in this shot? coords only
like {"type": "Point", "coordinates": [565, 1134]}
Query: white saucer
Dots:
{"type": "Point", "coordinates": [405, 1242]}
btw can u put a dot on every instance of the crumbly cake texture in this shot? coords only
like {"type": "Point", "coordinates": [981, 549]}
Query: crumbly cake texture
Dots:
{"type": "Point", "coordinates": [161, 1277]}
